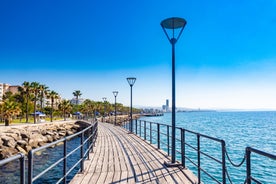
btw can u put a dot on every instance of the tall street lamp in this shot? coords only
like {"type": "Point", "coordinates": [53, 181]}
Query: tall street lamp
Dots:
{"type": "Point", "coordinates": [104, 100]}
{"type": "Point", "coordinates": [131, 81]}
{"type": "Point", "coordinates": [173, 24]}
{"type": "Point", "coordinates": [115, 93]}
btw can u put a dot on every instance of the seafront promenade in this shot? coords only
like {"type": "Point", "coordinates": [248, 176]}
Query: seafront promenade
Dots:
{"type": "Point", "coordinates": [120, 157]}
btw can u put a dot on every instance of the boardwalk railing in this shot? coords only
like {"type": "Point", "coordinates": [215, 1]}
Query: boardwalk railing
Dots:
{"type": "Point", "coordinates": [21, 158]}
{"type": "Point", "coordinates": [87, 141]}
{"type": "Point", "coordinates": [191, 147]}
{"type": "Point", "coordinates": [250, 150]}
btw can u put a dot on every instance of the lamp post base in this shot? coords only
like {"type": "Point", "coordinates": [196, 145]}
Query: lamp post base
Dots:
{"type": "Point", "coordinates": [170, 164]}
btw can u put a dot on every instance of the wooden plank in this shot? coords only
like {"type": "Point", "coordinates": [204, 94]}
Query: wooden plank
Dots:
{"type": "Point", "coordinates": [120, 157]}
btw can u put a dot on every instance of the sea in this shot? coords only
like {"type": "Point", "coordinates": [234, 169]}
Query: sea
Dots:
{"type": "Point", "coordinates": [239, 130]}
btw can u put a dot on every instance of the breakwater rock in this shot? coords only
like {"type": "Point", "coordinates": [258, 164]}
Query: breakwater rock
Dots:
{"type": "Point", "coordinates": [23, 138]}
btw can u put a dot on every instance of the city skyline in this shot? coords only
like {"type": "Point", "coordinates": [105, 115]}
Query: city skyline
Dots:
{"type": "Point", "coordinates": [225, 58]}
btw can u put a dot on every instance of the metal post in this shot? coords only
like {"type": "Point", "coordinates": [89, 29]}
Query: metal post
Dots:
{"type": "Point", "coordinates": [150, 132]}
{"type": "Point", "coordinates": [136, 126]}
{"type": "Point", "coordinates": [65, 161]}
{"type": "Point", "coordinates": [248, 166]}
{"type": "Point", "coordinates": [168, 140]}
{"type": "Point", "coordinates": [145, 130]}
{"type": "Point", "coordinates": [173, 41]}
{"type": "Point", "coordinates": [131, 130]}
{"type": "Point", "coordinates": [22, 169]}
{"type": "Point", "coordinates": [30, 167]}
{"type": "Point", "coordinates": [82, 152]}
{"type": "Point", "coordinates": [198, 158]}
{"type": "Point", "coordinates": [115, 112]}
{"type": "Point", "coordinates": [140, 128]}
{"type": "Point", "coordinates": [158, 136]}
{"type": "Point", "coordinates": [172, 24]}
{"type": "Point", "coordinates": [183, 152]}
{"type": "Point", "coordinates": [223, 149]}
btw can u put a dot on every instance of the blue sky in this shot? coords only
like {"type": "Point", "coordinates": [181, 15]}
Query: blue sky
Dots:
{"type": "Point", "coordinates": [225, 58]}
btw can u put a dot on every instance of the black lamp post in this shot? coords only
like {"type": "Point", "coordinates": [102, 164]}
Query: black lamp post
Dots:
{"type": "Point", "coordinates": [173, 24]}
{"type": "Point", "coordinates": [115, 93]}
{"type": "Point", "coordinates": [104, 100]}
{"type": "Point", "coordinates": [131, 81]}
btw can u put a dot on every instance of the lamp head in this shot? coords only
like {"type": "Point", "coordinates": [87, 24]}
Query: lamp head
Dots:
{"type": "Point", "coordinates": [173, 23]}
{"type": "Point", "coordinates": [115, 93]}
{"type": "Point", "coordinates": [131, 81]}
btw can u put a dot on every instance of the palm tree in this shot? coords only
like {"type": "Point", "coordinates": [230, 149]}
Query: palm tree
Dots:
{"type": "Point", "coordinates": [10, 109]}
{"type": "Point", "coordinates": [52, 95]}
{"type": "Point", "coordinates": [77, 94]}
{"type": "Point", "coordinates": [65, 107]}
{"type": "Point", "coordinates": [26, 91]}
{"type": "Point", "coordinates": [35, 87]}
{"type": "Point", "coordinates": [43, 91]}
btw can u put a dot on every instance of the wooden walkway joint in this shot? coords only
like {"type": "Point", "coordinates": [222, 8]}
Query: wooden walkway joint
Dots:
{"type": "Point", "coordinates": [120, 157]}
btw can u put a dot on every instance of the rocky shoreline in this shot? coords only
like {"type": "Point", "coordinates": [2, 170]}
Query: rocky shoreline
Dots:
{"type": "Point", "coordinates": [23, 138]}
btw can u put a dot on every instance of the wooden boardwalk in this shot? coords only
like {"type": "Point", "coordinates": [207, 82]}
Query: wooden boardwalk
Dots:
{"type": "Point", "coordinates": [120, 157]}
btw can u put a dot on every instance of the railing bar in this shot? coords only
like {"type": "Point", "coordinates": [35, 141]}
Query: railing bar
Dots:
{"type": "Point", "coordinates": [191, 146]}
{"type": "Point", "coordinates": [73, 151]}
{"type": "Point", "coordinates": [210, 175]}
{"type": "Point", "coordinates": [262, 153]}
{"type": "Point", "coordinates": [255, 180]}
{"type": "Point", "coordinates": [211, 157]}
{"type": "Point", "coordinates": [46, 170]}
{"type": "Point", "coordinates": [73, 167]}
{"type": "Point", "coordinates": [191, 161]}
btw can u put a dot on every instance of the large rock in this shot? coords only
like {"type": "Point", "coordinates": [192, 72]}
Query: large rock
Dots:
{"type": "Point", "coordinates": [24, 138]}
{"type": "Point", "coordinates": [20, 149]}
{"type": "Point", "coordinates": [8, 141]}
{"type": "Point", "coordinates": [7, 152]}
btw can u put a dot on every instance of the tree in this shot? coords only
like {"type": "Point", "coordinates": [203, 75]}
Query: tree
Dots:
{"type": "Point", "coordinates": [25, 91]}
{"type": "Point", "coordinates": [43, 91]}
{"type": "Point", "coordinates": [9, 109]}
{"type": "Point", "coordinates": [52, 95]}
{"type": "Point", "coordinates": [77, 94]}
{"type": "Point", "coordinates": [65, 107]}
{"type": "Point", "coordinates": [88, 107]}
{"type": "Point", "coordinates": [35, 90]}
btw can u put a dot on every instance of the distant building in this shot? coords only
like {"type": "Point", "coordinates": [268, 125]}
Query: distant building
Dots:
{"type": "Point", "coordinates": [5, 88]}
{"type": "Point", "coordinates": [166, 107]}
{"type": "Point", "coordinates": [75, 101]}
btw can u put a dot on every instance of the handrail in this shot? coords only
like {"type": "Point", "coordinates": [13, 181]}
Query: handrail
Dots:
{"type": "Point", "coordinates": [250, 150]}
{"type": "Point", "coordinates": [163, 130]}
{"type": "Point", "coordinates": [91, 133]}
{"type": "Point", "coordinates": [21, 157]}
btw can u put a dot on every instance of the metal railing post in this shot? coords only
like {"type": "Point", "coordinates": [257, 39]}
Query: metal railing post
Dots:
{"type": "Point", "coordinates": [158, 136]}
{"type": "Point", "coordinates": [30, 167]}
{"type": "Point", "coordinates": [198, 158]}
{"type": "Point", "coordinates": [168, 140]}
{"type": "Point", "coordinates": [248, 166]}
{"type": "Point", "coordinates": [22, 169]}
{"type": "Point", "coordinates": [82, 152]}
{"type": "Point", "coordinates": [136, 126]}
{"type": "Point", "coordinates": [140, 128]}
{"type": "Point", "coordinates": [65, 160]}
{"type": "Point", "coordinates": [145, 130]}
{"type": "Point", "coordinates": [183, 147]}
{"type": "Point", "coordinates": [150, 132]}
{"type": "Point", "coordinates": [223, 149]}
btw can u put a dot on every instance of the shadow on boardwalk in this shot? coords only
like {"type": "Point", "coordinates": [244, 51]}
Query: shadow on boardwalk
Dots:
{"type": "Point", "coordinates": [120, 157]}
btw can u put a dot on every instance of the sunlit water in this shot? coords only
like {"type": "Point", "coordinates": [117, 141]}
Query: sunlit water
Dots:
{"type": "Point", "coordinates": [238, 130]}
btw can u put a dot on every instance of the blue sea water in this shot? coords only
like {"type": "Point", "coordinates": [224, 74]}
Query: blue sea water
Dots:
{"type": "Point", "coordinates": [238, 130]}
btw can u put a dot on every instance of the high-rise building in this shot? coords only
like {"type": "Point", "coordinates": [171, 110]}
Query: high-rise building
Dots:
{"type": "Point", "coordinates": [167, 105]}
{"type": "Point", "coordinates": [166, 108]}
